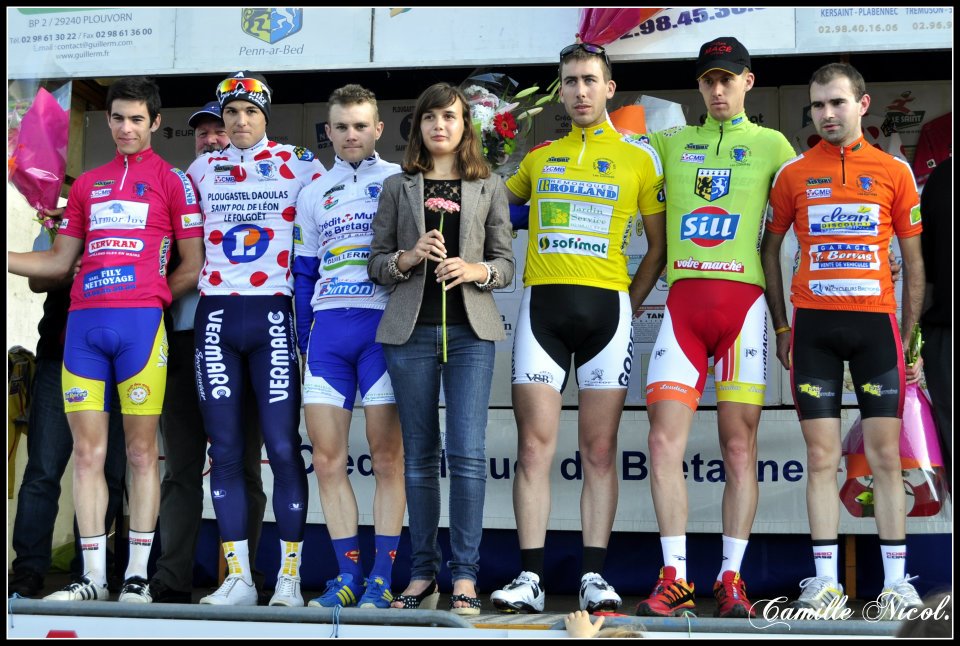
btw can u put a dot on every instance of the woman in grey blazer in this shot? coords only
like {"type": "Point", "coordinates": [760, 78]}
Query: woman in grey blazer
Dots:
{"type": "Point", "coordinates": [441, 239]}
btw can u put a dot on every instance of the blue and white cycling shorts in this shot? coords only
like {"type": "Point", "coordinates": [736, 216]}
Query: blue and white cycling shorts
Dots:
{"type": "Point", "coordinates": [343, 354]}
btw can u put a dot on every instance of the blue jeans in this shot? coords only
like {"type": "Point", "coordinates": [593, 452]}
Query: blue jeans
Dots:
{"type": "Point", "coordinates": [415, 371]}
{"type": "Point", "coordinates": [49, 447]}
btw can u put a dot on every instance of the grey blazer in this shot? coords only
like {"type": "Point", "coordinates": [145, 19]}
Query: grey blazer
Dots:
{"type": "Point", "coordinates": [485, 236]}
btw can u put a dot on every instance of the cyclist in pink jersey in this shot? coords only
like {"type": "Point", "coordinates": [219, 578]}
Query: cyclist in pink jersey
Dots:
{"type": "Point", "coordinates": [121, 221]}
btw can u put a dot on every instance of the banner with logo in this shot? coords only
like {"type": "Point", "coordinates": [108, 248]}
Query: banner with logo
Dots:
{"type": "Point", "coordinates": [780, 471]}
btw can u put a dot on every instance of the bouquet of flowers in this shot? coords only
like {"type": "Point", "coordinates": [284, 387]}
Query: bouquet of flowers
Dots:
{"type": "Point", "coordinates": [503, 116]}
{"type": "Point", "coordinates": [921, 459]}
{"type": "Point", "coordinates": [37, 154]}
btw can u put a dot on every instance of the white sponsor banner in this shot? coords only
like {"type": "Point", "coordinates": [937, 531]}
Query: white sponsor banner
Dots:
{"type": "Point", "coordinates": [74, 43]}
{"type": "Point", "coordinates": [272, 38]}
{"type": "Point", "coordinates": [678, 32]}
{"type": "Point", "coordinates": [851, 29]}
{"type": "Point", "coordinates": [781, 472]}
{"type": "Point", "coordinates": [473, 36]}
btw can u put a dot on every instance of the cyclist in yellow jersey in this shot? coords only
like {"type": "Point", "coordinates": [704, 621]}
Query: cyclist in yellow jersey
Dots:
{"type": "Point", "coordinates": [585, 191]}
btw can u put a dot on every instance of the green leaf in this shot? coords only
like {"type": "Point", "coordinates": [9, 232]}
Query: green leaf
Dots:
{"type": "Point", "coordinates": [527, 92]}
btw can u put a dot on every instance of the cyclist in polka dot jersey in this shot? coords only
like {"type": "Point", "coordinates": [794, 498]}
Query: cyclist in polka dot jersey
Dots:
{"type": "Point", "coordinates": [244, 322]}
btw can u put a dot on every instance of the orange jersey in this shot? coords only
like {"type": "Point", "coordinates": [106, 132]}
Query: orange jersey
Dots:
{"type": "Point", "coordinates": [845, 205]}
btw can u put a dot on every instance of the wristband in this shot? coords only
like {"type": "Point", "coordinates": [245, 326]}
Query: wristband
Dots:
{"type": "Point", "coordinates": [781, 330]}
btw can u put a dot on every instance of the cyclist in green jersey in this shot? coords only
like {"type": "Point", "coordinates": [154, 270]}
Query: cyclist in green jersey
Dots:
{"type": "Point", "coordinates": [717, 178]}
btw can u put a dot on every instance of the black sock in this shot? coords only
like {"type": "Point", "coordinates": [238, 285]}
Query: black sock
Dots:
{"type": "Point", "coordinates": [593, 560]}
{"type": "Point", "coordinates": [532, 560]}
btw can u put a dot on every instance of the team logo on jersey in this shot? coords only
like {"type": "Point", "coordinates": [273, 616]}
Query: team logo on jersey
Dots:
{"type": "Point", "coordinates": [604, 166]}
{"type": "Point", "coordinates": [570, 244]}
{"type": "Point", "coordinates": [246, 243]}
{"type": "Point", "coordinates": [337, 257]}
{"type": "Point", "coordinates": [817, 181]}
{"type": "Point", "coordinates": [122, 246]}
{"type": "Point", "coordinates": [579, 216]}
{"type": "Point", "coordinates": [709, 226]}
{"type": "Point", "coordinates": [836, 255]}
{"type": "Point", "coordinates": [104, 182]}
{"type": "Point", "coordinates": [191, 220]}
{"type": "Point", "coordinates": [915, 216]}
{"type": "Point", "coordinates": [739, 154]}
{"type": "Point", "coordinates": [736, 121]}
{"type": "Point", "coordinates": [224, 179]}
{"type": "Point", "coordinates": [693, 158]}
{"type": "Point", "coordinates": [584, 189]}
{"type": "Point", "coordinates": [553, 170]}
{"type": "Point", "coordinates": [712, 183]}
{"type": "Point", "coordinates": [373, 190]}
{"type": "Point", "coordinates": [865, 182]}
{"type": "Point", "coordinates": [819, 193]}
{"type": "Point", "coordinates": [103, 192]}
{"type": "Point", "coordinates": [696, 147]}
{"type": "Point", "coordinates": [140, 188]}
{"type": "Point", "coordinates": [164, 254]}
{"type": "Point", "coordinates": [223, 168]}
{"type": "Point", "coordinates": [558, 160]}
{"type": "Point", "coordinates": [844, 219]}
{"type": "Point", "coordinates": [845, 287]}
{"type": "Point", "coordinates": [346, 288]}
{"type": "Point", "coordinates": [189, 196]}
{"type": "Point", "coordinates": [266, 170]}
{"type": "Point", "coordinates": [75, 395]}
{"type": "Point", "coordinates": [119, 214]}
{"type": "Point", "coordinates": [330, 202]}
{"type": "Point", "coordinates": [334, 189]}
{"type": "Point", "coordinates": [297, 234]}
{"type": "Point", "coordinates": [138, 393]}
{"type": "Point", "coordinates": [303, 154]}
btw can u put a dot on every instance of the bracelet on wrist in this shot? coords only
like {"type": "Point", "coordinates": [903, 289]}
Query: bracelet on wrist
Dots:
{"type": "Point", "coordinates": [781, 330]}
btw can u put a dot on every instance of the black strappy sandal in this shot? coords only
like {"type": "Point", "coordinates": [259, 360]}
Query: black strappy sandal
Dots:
{"type": "Point", "coordinates": [472, 609]}
{"type": "Point", "coordinates": [426, 600]}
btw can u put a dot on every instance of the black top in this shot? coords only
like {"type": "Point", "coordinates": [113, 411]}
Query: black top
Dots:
{"type": "Point", "coordinates": [430, 308]}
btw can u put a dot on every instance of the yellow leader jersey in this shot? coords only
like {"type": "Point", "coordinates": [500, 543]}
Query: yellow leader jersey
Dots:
{"type": "Point", "coordinates": [585, 191]}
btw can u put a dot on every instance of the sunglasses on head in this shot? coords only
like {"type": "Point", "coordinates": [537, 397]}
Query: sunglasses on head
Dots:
{"type": "Point", "coordinates": [244, 84]}
{"type": "Point", "coordinates": [589, 48]}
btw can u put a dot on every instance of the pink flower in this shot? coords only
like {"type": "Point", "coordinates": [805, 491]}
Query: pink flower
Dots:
{"type": "Point", "coordinates": [440, 204]}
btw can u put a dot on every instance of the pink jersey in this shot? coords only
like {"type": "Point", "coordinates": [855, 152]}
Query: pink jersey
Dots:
{"type": "Point", "coordinates": [249, 200]}
{"type": "Point", "coordinates": [128, 213]}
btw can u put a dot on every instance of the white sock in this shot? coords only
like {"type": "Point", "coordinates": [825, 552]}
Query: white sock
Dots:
{"type": "Point", "coordinates": [290, 552]}
{"type": "Point", "coordinates": [94, 550]}
{"type": "Point", "coordinates": [140, 545]}
{"type": "Point", "coordinates": [894, 563]}
{"type": "Point", "coordinates": [674, 550]}
{"type": "Point", "coordinates": [733, 550]}
{"type": "Point", "coordinates": [825, 560]}
{"type": "Point", "coordinates": [237, 554]}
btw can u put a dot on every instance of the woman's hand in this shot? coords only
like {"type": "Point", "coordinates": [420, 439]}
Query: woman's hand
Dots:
{"type": "Point", "coordinates": [430, 247]}
{"type": "Point", "coordinates": [454, 271]}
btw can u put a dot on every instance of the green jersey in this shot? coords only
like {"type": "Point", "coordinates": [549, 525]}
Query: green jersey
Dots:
{"type": "Point", "coordinates": [717, 178]}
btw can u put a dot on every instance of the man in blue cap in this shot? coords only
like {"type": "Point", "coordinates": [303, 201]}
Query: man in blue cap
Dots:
{"type": "Point", "coordinates": [209, 133]}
